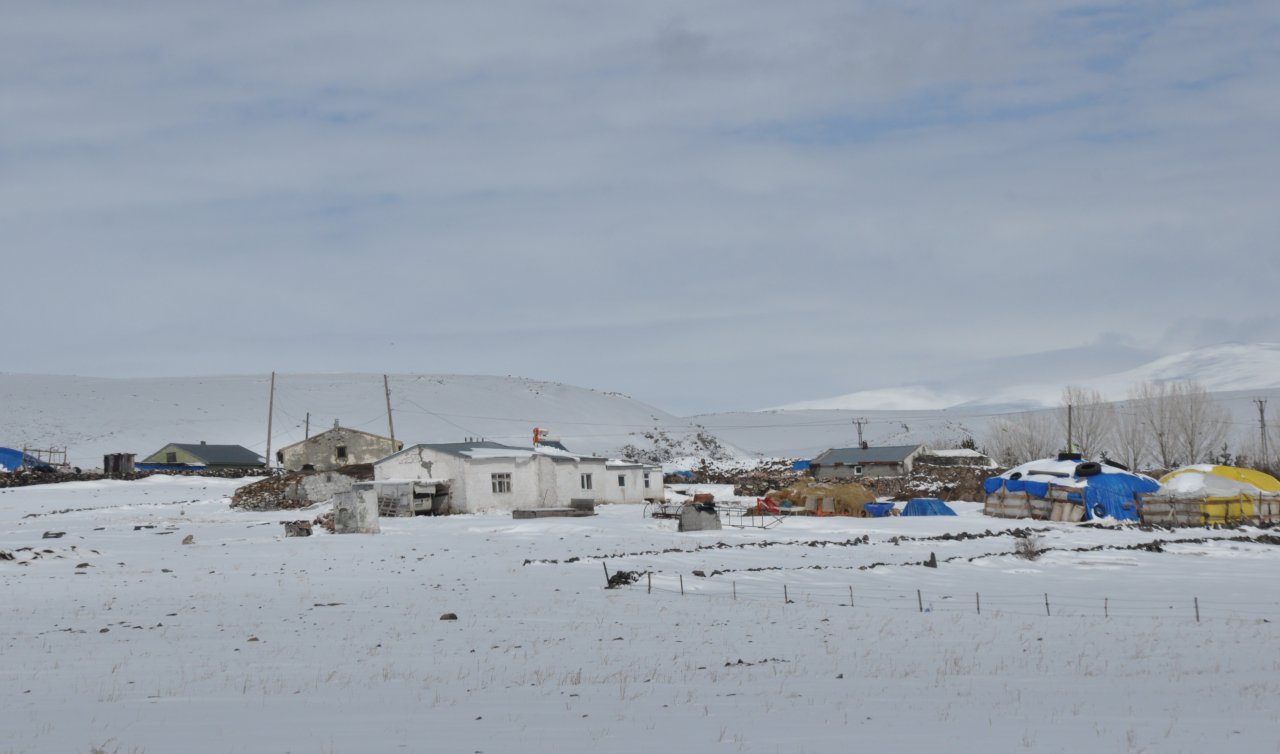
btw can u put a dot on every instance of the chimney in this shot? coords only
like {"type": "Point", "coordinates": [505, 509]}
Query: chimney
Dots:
{"type": "Point", "coordinates": [864, 445]}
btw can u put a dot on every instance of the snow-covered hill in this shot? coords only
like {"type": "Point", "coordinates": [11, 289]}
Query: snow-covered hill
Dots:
{"type": "Point", "coordinates": [1220, 368]}
{"type": "Point", "coordinates": [93, 416]}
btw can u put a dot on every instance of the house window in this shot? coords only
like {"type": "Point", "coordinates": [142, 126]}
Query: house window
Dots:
{"type": "Point", "coordinates": [622, 480]}
{"type": "Point", "coordinates": [342, 452]}
{"type": "Point", "coordinates": [646, 480]}
{"type": "Point", "coordinates": [171, 457]}
{"type": "Point", "coordinates": [857, 469]}
{"type": "Point", "coordinates": [501, 482]}
{"type": "Point", "coordinates": [586, 481]}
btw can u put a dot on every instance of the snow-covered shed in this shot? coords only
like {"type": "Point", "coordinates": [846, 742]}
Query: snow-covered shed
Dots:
{"type": "Point", "coordinates": [1206, 494]}
{"type": "Point", "coordinates": [1067, 489]}
{"type": "Point", "coordinates": [489, 476]}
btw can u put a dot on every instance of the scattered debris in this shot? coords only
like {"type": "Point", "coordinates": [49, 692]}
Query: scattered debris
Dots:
{"type": "Point", "coordinates": [449, 616]}
{"type": "Point", "coordinates": [190, 539]}
{"type": "Point", "coordinates": [297, 528]}
{"type": "Point", "coordinates": [53, 535]}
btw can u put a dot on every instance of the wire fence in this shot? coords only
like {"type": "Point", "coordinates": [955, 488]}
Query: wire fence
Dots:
{"type": "Point", "coordinates": [992, 603]}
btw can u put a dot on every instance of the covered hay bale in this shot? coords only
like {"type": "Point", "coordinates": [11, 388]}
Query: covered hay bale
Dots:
{"type": "Point", "coordinates": [839, 498]}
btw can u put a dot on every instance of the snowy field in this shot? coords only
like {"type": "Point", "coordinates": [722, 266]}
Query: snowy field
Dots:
{"type": "Point", "coordinates": [123, 639]}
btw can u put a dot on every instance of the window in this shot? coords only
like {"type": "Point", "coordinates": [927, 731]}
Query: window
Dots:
{"type": "Point", "coordinates": [857, 469]}
{"type": "Point", "coordinates": [501, 482]}
{"type": "Point", "coordinates": [171, 457]}
{"type": "Point", "coordinates": [586, 481]}
{"type": "Point", "coordinates": [622, 480]}
{"type": "Point", "coordinates": [342, 452]}
{"type": "Point", "coordinates": [646, 480]}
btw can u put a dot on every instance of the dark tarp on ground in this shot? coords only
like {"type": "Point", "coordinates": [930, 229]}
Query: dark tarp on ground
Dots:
{"type": "Point", "coordinates": [927, 506]}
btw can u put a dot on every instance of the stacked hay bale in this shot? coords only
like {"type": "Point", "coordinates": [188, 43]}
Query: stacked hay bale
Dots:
{"type": "Point", "coordinates": [824, 498]}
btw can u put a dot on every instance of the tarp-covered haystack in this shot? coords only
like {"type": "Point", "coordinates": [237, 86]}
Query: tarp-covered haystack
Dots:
{"type": "Point", "coordinates": [825, 498]}
{"type": "Point", "coordinates": [1206, 494]}
{"type": "Point", "coordinates": [1067, 490]}
{"type": "Point", "coordinates": [927, 506]}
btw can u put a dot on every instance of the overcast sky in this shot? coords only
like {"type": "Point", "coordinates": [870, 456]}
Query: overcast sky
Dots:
{"type": "Point", "coordinates": [705, 205]}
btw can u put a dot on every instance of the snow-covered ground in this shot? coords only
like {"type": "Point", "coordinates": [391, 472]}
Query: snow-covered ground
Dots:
{"type": "Point", "coordinates": [125, 639]}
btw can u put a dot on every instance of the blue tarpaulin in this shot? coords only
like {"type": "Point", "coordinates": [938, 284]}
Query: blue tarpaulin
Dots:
{"type": "Point", "coordinates": [800, 466]}
{"type": "Point", "coordinates": [1112, 494]}
{"type": "Point", "coordinates": [877, 510]}
{"type": "Point", "coordinates": [927, 506]}
{"type": "Point", "coordinates": [11, 460]}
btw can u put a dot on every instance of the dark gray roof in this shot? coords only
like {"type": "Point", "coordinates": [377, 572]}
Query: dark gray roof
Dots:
{"type": "Point", "coordinates": [459, 448]}
{"type": "Point", "coordinates": [851, 456]}
{"type": "Point", "coordinates": [221, 455]}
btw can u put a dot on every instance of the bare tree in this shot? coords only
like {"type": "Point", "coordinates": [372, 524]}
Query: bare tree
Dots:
{"type": "Point", "coordinates": [1013, 439]}
{"type": "Point", "coordinates": [1092, 420]}
{"type": "Point", "coordinates": [1154, 404]}
{"type": "Point", "coordinates": [1132, 437]}
{"type": "Point", "coordinates": [1200, 422]}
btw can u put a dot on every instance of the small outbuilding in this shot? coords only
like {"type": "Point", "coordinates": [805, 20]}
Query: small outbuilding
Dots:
{"type": "Point", "coordinates": [850, 463]}
{"type": "Point", "coordinates": [335, 448]}
{"type": "Point", "coordinates": [177, 456]}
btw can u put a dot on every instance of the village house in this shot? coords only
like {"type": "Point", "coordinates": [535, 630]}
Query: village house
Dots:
{"type": "Point", "coordinates": [178, 456]}
{"type": "Point", "coordinates": [489, 476]}
{"type": "Point", "coordinates": [336, 448]}
{"type": "Point", "coordinates": [850, 463]}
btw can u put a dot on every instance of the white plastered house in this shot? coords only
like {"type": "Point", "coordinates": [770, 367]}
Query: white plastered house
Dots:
{"type": "Point", "coordinates": [490, 476]}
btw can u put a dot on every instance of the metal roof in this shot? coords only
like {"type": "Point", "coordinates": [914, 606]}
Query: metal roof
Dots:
{"type": "Point", "coordinates": [851, 456]}
{"type": "Point", "coordinates": [220, 455]}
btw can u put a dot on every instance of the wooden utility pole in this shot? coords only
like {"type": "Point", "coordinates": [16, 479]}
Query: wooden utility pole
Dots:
{"type": "Point", "coordinates": [307, 436]}
{"type": "Point", "coordinates": [386, 386]}
{"type": "Point", "coordinates": [860, 422]}
{"type": "Point", "coordinates": [1264, 462]}
{"type": "Point", "coordinates": [271, 403]}
{"type": "Point", "coordinates": [1070, 449]}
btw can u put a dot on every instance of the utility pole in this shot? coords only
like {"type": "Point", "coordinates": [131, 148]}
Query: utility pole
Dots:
{"type": "Point", "coordinates": [1265, 461]}
{"type": "Point", "coordinates": [386, 386]}
{"type": "Point", "coordinates": [860, 421]}
{"type": "Point", "coordinates": [1070, 447]}
{"type": "Point", "coordinates": [271, 403]}
{"type": "Point", "coordinates": [307, 435]}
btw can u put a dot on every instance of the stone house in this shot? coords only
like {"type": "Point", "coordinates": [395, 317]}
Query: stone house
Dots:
{"type": "Point", "coordinates": [838, 464]}
{"type": "Point", "coordinates": [336, 448]}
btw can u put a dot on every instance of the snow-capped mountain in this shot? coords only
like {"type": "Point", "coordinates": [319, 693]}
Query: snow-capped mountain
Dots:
{"type": "Point", "coordinates": [1220, 368]}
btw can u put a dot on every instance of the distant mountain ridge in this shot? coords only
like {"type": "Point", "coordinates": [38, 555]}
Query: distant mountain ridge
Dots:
{"type": "Point", "coordinates": [1220, 368]}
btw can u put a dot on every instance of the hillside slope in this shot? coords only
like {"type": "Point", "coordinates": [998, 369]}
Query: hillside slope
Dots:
{"type": "Point", "coordinates": [93, 416]}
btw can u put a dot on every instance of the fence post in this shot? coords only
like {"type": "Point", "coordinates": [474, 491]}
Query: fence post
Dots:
{"type": "Point", "coordinates": [681, 575]}
{"type": "Point", "coordinates": [606, 572]}
{"type": "Point", "coordinates": [1197, 599]}
{"type": "Point", "coordinates": [1046, 603]}
{"type": "Point", "coordinates": [919, 601]}
{"type": "Point", "coordinates": [785, 599]}
{"type": "Point", "coordinates": [735, 590]}
{"type": "Point", "coordinates": [978, 599]}
{"type": "Point", "coordinates": [650, 579]}
{"type": "Point", "coordinates": [851, 595]}
{"type": "Point", "coordinates": [1106, 607]}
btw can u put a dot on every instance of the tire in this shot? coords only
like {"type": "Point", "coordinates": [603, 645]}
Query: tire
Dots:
{"type": "Point", "coordinates": [1099, 511]}
{"type": "Point", "coordinates": [1088, 468]}
{"type": "Point", "coordinates": [1016, 475]}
